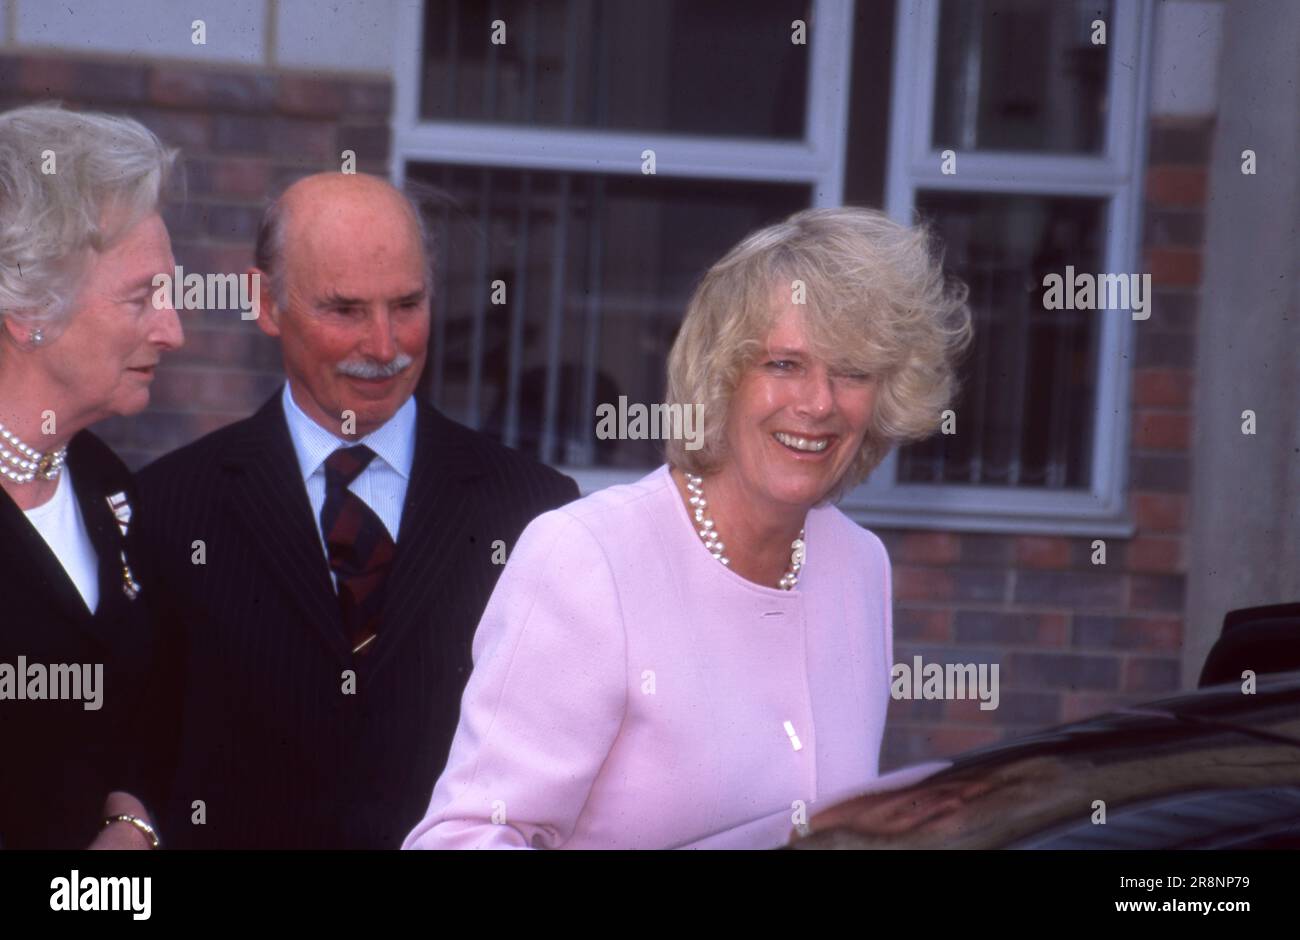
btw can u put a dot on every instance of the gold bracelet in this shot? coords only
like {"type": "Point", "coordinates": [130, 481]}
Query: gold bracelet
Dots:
{"type": "Point", "coordinates": [148, 830]}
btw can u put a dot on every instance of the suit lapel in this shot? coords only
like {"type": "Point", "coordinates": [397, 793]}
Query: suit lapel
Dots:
{"type": "Point", "coordinates": [92, 490]}
{"type": "Point", "coordinates": [437, 519]}
{"type": "Point", "coordinates": [25, 553]}
{"type": "Point", "coordinates": [267, 497]}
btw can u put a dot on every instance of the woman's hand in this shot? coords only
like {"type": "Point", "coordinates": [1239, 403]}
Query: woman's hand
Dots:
{"type": "Point", "coordinates": [122, 835]}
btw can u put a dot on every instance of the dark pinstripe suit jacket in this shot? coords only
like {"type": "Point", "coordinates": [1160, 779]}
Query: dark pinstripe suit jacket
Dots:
{"type": "Point", "coordinates": [271, 749]}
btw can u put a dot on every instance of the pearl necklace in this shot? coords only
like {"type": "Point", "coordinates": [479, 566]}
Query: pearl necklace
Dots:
{"type": "Point", "coordinates": [28, 463]}
{"type": "Point", "coordinates": [713, 540]}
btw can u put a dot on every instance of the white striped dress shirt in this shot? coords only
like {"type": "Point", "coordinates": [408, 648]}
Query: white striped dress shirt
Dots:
{"type": "Point", "coordinates": [381, 486]}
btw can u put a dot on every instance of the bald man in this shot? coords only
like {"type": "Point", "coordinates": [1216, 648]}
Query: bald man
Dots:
{"type": "Point", "coordinates": [320, 567]}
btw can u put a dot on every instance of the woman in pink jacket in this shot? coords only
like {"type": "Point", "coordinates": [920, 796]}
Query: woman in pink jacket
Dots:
{"type": "Point", "coordinates": [696, 659]}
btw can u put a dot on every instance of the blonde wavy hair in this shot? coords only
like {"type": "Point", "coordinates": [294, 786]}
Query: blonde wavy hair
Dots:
{"type": "Point", "coordinates": [877, 301]}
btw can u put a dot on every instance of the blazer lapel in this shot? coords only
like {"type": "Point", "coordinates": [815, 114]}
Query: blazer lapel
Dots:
{"type": "Point", "coordinates": [93, 490]}
{"type": "Point", "coordinates": [437, 519]}
{"type": "Point", "coordinates": [24, 552]}
{"type": "Point", "coordinates": [268, 499]}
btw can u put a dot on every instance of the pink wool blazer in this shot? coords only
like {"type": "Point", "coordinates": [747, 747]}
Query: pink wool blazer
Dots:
{"type": "Point", "coordinates": [629, 691]}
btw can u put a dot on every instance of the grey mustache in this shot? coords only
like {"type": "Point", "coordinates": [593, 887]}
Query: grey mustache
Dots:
{"type": "Point", "coordinates": [368, 369]}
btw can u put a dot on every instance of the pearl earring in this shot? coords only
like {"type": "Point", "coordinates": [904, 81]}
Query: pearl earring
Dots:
{"type": "Point", "coordinates": [38, 337]}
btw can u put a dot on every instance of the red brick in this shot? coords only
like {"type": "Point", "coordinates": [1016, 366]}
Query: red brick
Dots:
{"type": "Point", "coordinates": [1157, 554]}
{"type": "Point", "coordinates": [304, 141]}
{"type": "Point", "coordinates": [81, 80]}
{"type": "Point", "coordinates": [1154, 633]}
{"type": "Point", "coordinates": [208, 422]}
{"type": "Point", "coordinates": [241, 133]}
{"type": "Point", "coordinates": [912, 583]}
{"type": "Point", "coordinates": [1062, 671]}
{"type": "Point", "coordinates": [1176, 186]}
{"type": "Point", "coordinates": [1011, 627]}
{"type": "Point", "coordinates": [1165, 471]}
{"type": "Point", "coordinates": [1160, 512]}
{"type": "Point", "coordinates": [1151, 676]}
{"type": "Point", "coordinates": [1162, 388]}
{"type": "Point", "coordinates": [189, 130]}
{"type": "Point", "coordinates": [980, 585]}
{"type": "Point", "coordinates": [1053, 629]}
{"type": "Point", "coordinates": [1162, 226]}
{"type": "Point", "coordinates": [304, 94]}
{"type": "Point", "coordinates": [232, 223]}
{"type": "Point", "coordinates": [1031, 709]}
{"type": "Point", "coordinates": [370, 97]}
{"type": "Point", "coordinates": [1116, 554]}
{"type": "Point", "coordinates": [1164, 344]}
{"type": "Point", "coordinates": [210, 89]}
{"type": "Point", "coordinates": [235, 342]}
{"type": "Point", "coordinates": [930, 548]}
{"type": "Point", "coordinates": [1175, 307]}
{"type": "Point", "coordinates": [1076, 706]}
{"type": "Point", "coordinates": [47, 77]}
{"type": "Point", "coordinates": [982, 549]}
{"type": "Point", "coordinates": [1162, 592]}
{"type": "Point", "coordinates": [1097, 589]}
{"type": "Point", "coordinates": [944, 740]}
{"type": "Point", "coordinates": [1042, 551]}
{"type": "Point", "coordinates": [1162, 430]}
{"type": "Point", "coordinates": [241, 176]}
{"type": "Point", "coordinates": [907, 711]}
{"type": "Point", "coordinates": [933, 625]}
{"type": "Point", "coordinates": [203, 390]}
{"type": "Point", "coordinates": [1180, 140]}
{"type": "Point", "coordinates": [968, 712]}
{"type": "Point", "coordinates": [1174, 266]}
{"type": "Point", "coordinates": [217, 259]}
{"type": "Point", "coordinates": [115, 82]}
{"type": "Point", "coordinates": [367, 141]}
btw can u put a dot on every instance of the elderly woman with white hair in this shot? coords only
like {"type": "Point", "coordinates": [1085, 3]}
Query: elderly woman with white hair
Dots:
{"type": "Point", "coordinates": [81, 241]}
{"type": "Point", "coordinates": [695, 659]}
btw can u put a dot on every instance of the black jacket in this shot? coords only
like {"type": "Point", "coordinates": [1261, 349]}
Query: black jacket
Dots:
{"type": "Point", "coordinates": [270, 750]}
{"type": "Point", "coordinates": [59, 760]}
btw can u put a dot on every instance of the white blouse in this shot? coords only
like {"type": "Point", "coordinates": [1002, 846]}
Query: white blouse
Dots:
{"type": "Point", "coordinates": [60, 523]}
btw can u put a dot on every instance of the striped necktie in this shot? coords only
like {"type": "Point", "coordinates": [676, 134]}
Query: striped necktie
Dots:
{"type": "Point", "coordinates": [360, 548]}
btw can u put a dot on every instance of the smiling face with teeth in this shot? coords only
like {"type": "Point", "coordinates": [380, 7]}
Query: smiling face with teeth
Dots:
{"type": "Point", "coordinates": [795, 421]}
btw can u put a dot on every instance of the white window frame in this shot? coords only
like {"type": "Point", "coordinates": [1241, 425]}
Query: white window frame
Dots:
{"type": "Point", "coordinates": [1116, 174]}
{"type": "Point", "coordinates": [818, 160]}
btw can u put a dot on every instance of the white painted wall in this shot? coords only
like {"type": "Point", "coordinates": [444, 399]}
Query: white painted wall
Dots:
{"type": "Point", "coordinates": [357, 36]}
{"type": "Point", "coordinates": [153, 28]}
{"type": "Point", "coordinates": [1244, 548]}
{"type": "Point", "coordinates": [1185, 70]}
{"type": "Point", "coordinates": [332, 35]}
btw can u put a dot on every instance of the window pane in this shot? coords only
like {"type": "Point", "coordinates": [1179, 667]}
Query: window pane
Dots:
{"type": "Point", "coordinates": [1021, 75]}
{"type": "Point", "coordinates": [722, 68]}
{"type": "Point", "coordinates": [1024, 416]}
{"type": "Point", "coordinates": [594, 273]}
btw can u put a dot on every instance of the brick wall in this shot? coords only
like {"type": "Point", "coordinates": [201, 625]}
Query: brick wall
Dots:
{"type": "Point", "coordinates": [243, 134]}
{"type": "Point", "coordinates": [1072, 638]}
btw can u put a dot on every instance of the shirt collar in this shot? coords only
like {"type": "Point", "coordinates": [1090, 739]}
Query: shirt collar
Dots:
{"type": "Point", "coordinates": [393, 442]}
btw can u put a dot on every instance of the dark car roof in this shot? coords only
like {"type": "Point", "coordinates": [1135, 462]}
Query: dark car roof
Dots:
{"type": "Point", "coordinates": [1217, 740]}
{"type": "Point", "coordinates": [1273, 710]}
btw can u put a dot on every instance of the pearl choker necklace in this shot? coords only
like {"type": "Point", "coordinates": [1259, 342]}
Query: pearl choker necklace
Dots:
{"type": "Point", "coordinates": [713, 540]}
{"type": "Point", "coordinates": [28, 463]}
